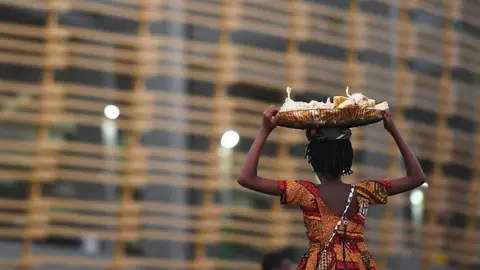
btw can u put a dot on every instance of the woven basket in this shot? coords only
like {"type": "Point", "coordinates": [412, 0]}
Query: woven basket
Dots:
{"type": "Point", "coordinates": [312, 118]}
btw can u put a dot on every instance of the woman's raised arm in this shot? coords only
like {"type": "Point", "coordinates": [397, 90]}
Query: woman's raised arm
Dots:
{"type": "Point", "coordinates": [415, 176]}
{"type": "Point", "coordinates": [248, 175]}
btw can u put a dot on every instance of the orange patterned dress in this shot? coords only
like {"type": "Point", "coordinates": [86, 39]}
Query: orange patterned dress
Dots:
{"type": "Point", "coordinates": [320, 221]}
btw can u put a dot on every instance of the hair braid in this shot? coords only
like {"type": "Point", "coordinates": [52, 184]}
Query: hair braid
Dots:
{"type": "Point", "coordinates": [330, 156]}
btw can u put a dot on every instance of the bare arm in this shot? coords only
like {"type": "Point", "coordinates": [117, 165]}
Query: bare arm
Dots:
{"type": "Point", "coordinates": [248, 175]}
{"type": "Point", "coordinates": [415, 176]}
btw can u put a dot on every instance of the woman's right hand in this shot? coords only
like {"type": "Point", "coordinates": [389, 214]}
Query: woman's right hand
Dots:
{"type": "Point", "coordinates": [388, 123]}
{"type": "Point", "coordinates": [248, 175]}
{"type": "Point", "coordinates": [269, 121]}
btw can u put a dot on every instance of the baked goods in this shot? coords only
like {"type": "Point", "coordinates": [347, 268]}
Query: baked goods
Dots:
{"type": "Point", "coordinates": [346, 111]}
{"type": "Point", "coordinates": [356, 100]}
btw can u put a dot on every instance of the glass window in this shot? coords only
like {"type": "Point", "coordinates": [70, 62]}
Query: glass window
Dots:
{"type": "Point", "coordinates": [427, 165]}
{"type": "Point", "coordinates": [367, 157]}
{"type": "Point", "coordinates": [465, 76]}
{"type": "Point", "coordinates": [425, 67]}
{"type": "Point", "coordinates": [422, 16]}
{"type": "Point", "coordinates": [99, 22]}
{"type": "Point", "coordinates": [25, 16]}
{"type": "Point", "coordinates": [377, 58]}
{"type": "Point", "coordinates": [342, 4]}
{"type": "Point", "coordinates": [461, 123]}
{"type": "Point", "coordinates": [269, 42]}
{"type": "Point", "coordinates": [468, 28]}
{"type": "Point", "coordinates": [379, 8]}
{"type": "Point", "coordinates": [458, 171]}
{"type": "Point", "coordinates": [420, 115]}
{"type": "Point", "coordinates": [268, 95]}
{"type": "Point", "coordinates": [324, 50]}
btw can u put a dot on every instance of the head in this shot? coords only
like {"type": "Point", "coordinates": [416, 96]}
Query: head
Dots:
{"type": "Point", "coordinates": [278, 260]}
{"type": "Point", "coordinates": [329, 152]}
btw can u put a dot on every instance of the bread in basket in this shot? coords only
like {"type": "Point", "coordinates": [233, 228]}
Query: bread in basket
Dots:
{"type": "Point", "coordinates": [349, 111]}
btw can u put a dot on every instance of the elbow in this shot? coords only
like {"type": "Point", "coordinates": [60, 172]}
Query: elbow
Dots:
{"type": "Point", "coordinates": [422, 181]}
{"type": "Point", "coordinates": [246, 181]}
{"type": "Point", "coordinates": [419, 179]}
{"type": "Point", "coordinates": [242, 181]}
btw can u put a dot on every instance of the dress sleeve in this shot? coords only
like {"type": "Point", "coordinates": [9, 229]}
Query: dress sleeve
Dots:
{"type": "Point", "coordinates": [296, 192]}
{"type": "Point", "coordinates": [375, 192]}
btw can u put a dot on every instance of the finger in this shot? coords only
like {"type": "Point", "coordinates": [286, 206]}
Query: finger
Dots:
{"type": "Point", "coordinates": [386, 115]}
{"type": "Point", "coordinates": [267, 113]}
{"type": "Point", "coordinates": [271, 110]}
{"type": "Point", "coordinates": [274, 111]}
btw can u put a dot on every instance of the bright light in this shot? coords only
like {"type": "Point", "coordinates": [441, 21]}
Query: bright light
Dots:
{"type": "Point", "coordinates": [425, 185]}
{"type": "Point", "coordinates": [111, 112]}
{"type": "Point", "coordinates": [230, 139]}
{"type": "Point", "coordinates": [416, 197]}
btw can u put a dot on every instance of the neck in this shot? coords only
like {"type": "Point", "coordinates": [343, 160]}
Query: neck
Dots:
{"type": "Point", "coordinates": [326, 178]}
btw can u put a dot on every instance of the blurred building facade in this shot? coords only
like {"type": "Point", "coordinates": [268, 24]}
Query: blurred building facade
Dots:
{"type": "Point", "coordinates": [154, 188]}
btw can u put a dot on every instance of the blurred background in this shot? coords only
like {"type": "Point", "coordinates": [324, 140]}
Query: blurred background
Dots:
{"type": "Point", "coordinates": [124, 123]}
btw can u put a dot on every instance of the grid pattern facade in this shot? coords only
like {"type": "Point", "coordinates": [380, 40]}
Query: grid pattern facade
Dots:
{"type": "Point", "coordinates": [163, 194]}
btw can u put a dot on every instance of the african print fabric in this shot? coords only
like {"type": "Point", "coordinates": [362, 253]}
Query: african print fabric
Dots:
{"type": "Point", "coordinates": [320, 221]}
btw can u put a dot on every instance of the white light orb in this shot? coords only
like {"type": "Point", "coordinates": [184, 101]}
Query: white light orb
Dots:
{"type": "Point", "coordinates": [425, 185]}
{"type": "Point", "coordinates": [230, 139]}
{"type": "Point", "coordinates": [416, 197]}
{"type": "Point", "coordinates": [111, 112]}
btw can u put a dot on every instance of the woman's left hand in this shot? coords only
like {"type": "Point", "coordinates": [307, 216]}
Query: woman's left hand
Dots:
{"type": "Point", "coordinates": [388, 123]}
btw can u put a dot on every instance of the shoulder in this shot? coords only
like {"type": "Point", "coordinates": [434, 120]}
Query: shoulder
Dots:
{"type": "Point", "coordinates": [298, 185]}
{"type": "Point", "coordinates": [374, 183]}
{"type": "Point", "coordinates": [296, 191]}
{"type": "Point", "coordinates": [375, 191]}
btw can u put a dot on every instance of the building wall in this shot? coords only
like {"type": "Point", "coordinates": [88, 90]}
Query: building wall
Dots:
{"type": "Point", "coordinates": [161, 193]}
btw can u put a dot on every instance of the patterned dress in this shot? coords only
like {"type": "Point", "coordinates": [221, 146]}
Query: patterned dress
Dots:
{"type": "Point", "coordinates": [320, 221]}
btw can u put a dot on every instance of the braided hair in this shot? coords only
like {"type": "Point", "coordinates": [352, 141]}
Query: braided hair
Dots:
{"type": "Point", "coordinates": [330, 151]}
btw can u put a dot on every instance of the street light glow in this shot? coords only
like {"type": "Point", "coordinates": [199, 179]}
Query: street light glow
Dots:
{"type": "Point", "coordinates": [230, 139]}
{"type": "Point", "coordinates": [111, 112]}
{"type": "Point", "coordinates": [416, 197]}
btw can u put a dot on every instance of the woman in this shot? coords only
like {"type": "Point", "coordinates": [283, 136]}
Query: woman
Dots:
{"type": "Point", "coordinates": [334, 212]}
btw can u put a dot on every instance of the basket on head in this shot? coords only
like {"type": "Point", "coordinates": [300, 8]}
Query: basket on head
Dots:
{"type": "Point", "coordinates": [313, 118]}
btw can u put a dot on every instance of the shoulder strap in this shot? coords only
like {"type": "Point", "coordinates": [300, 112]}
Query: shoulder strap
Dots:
{"type": "Point", "coordinates": [349, 201]}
